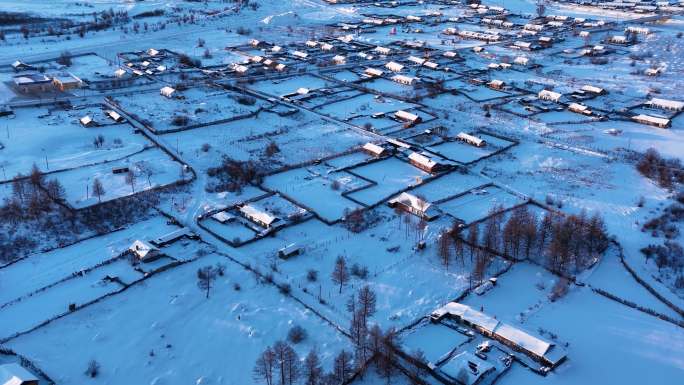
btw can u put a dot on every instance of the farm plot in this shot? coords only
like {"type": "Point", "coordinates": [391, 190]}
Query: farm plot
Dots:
{"type": "Point", "coordinates": [50, 267]}
{"type": "Point", "coordinates": [364, 105]}
{"type": "Point", "coordinates": [477, 93]}
{"type": "Point", "coordinates": [637, 347]}
{"type": "Point", "coordinates": [305, 136]}
{"type": "Point", "coordinates": [44, 305]}
{"type": "Point", "coordinates": [465, 153]}
{"type": "Point", "coordinates": [163, 331]}
{"type": "Point", "coordinates": [316, 191]}
{"type": "Point", "coordinates": [152, 168]}
{"type": "Point", "coordinates": [437, 341]}
{"type": "Point", "coordinates": [233, 231]}
{"type": "Point", "coordinates": [194, 106]}
{"type": "Point", "coordinates": [477, 203]}
{"type": "Point", "coordinates": [280, 87]}
{"type": "Point", "coordinates": [448, 186]}
{"type": "Point", "coordinates": [87, 67]}
{"type": "Point", "coordinates": [391, 175]}
{"type": "Point", "coordinates": [55, 140]}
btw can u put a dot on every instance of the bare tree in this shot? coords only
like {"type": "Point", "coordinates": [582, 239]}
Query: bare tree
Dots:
{"type": "Point", "coordinates": [312, 371]}
{"type": "Point", "coordinates": [205, 278]}
{"type": "Point", "coordinates": [264, 368]}
{"type": "Point", "coordinates": [130, 179]}
{"type": "Point", "coordinates": [342, 368]}
{"type": "Point", "coordinates": [444, 247]}
{"type": "Point", "coordinates": [340, 274]}
{"type": "Point", "coordinates": [98, 189]}
{"type": "Point", "coordinates": [287, 363]}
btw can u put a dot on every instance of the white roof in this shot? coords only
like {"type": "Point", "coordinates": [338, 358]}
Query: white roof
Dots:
{"type": "Point", "coordinates": [120, 72]}
{"type": "Point", "coordinates": [167, 91]}
{"type": "Point", "coordinates": [422, 160]}
{"type": "Point", "coordinates": [302, 91]}
{"type": "Point", "coordinates": [257, 214]}
{"type": "Point", "coordinates": [577, 107]}
{"type": "Point", "coordinates": [373, 72]}
{"type": "Point", "coordinates": [416, 60]}
{"type": "Point", "coordinates": [404, 79]}
{"type": "Point", "coordinates": [142, 249]}
{"type": "Point", "coordinates": [523, 339]}
{"type": "Point", "coordinates": [394, 66]}
{"type": "Point", "coordinates": [411, 201]}
{"type": "Point", "coordinates": [152, 52]}
{"type": "Point", "coordinates": [464, 362]}
{"type": "Point", "coordinates": [593, 89]}
{"type": "Point", "coordinates": [549, 95]}
{"type": "Point", "coordinates": [113, 114]}
{"type": "Point", "coordinates": [174, 235]}
{"type": "Point", "coordinates": [651, 119]}
{"type": "Point", "coordinates": [374, 148]}
{"type": "Point", "coordinates": [472, 138]}
{"type": "Point", "coordinates": [15, 374]}
{"type": "Point", "coordinates": [338, 59]}
{"type": "Point", "coordinates": [222, 216]}
{"type": "Point", "coordinates": [668, 104]}
{"type": "Point", "coordinates": [300, 54]}
{"type": "Point", "coordinates": [86, 120]}
{"type": "Point", "coordinates": [401, 114]}
{"type": "Point", "coordinates": [382, 50]}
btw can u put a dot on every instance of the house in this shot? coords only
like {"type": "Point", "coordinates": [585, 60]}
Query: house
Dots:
{"type": "Point", "coordinates": [374, 149]}
{"type": "Point", "coordinates": [32, 83]}
{"type": "Point", "coordinates": [584, 34]}
{"type": "Point", "coordinates": [254, 43]}
{"type": "Point", "coordinates": [549, 95]}
{"type": "Point", "coordinates": [326, 47]}
{"type": "Point", "coordinates": [19, 66]}
{"type": "Point", "coordinates": [394, 66]}
{"type": "Point", "coordinates": [66, 82]}
{"type": "Point", "coordinates": [382, 50]}
{"type": "Point", "coordinates": [638, 30]}
{"type": "Point", "coordinates": [280, 67]}
{"type": "Point", "coordinates": [223, 217]}
{"type": "Point", "coordinates": [545, 41]}
{"type": "Point", "coordinates": [302, 91]}
{"type": "Point", "coordinates": [665, 104]}
{"type": "Point", "coordinates": [372, 72]}
{"type": "Point", "coordinates": [339, 59]}
{"type": "Point", "coordinates": [300, 54]}
{"type": "Point", "coordinates": [618, 39]}
{"type": "Point", "coordinates": [525, 45]}
{"type": "Point", "coordinates": [173, 236]}
{"type": "Point", "coordinates": [425, 163]}
{"type": "Point", "coordinates": [87, 121]}
{"type": "Point", "coordinates": [579, 108]}
{"type": "Point", "coordinates": [167, 91]}
{"type": "Point", "coordinates": [289, 251]}
{"type": "Point", "coordinates": [115, 116]}
{"type": "Point", "coordinates": [276, 49]}
{"type": "Point", "coordinates": [478, 49]}
{"type": "Point", "coordinates": [259, 216]}
{"type": "Point", "coordinates": [239, 68]}
{"type": "Point", "coordinates": [521, 60]}
{"type": "Point", "coordinates": [311, 43]}
{"type": "Point", "coordinates": [414, 205]}
{"type": "Point", "coordinates": [652, 120]}
{"type": "Point", "coordinates": [416, 60]}
{"type": "Point", "coordinates": [517, 339]}
{"type": "Point", "coordinates": [471, 139]}
{"type": "Point", "coordinates": [407, 117]}
{"type": "Point", "coordinates": [465, 368]}
{"type": "Point", "coordinates": [652, 71]}
{"type": "Point", "coordinates": [15, 374]}
{"type": "Point", "coordinates": [405, 80]}
{"type": "Point", "coordinates": [120, 73]}
{"type": "Point", "coordinates": [593, 90]}
{"type": "Point", "coordinates": [431, 65]}
{"type": "Point", "coordinates": [152, 52]}
{"type": "Point", "coordinates": [144, 251]}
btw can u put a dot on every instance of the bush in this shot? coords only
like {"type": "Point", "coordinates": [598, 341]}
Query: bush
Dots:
{"type": "Point", "coordinates": [359, 271]}
{"type": "Point", "coordinates": [93, 369]}
{"type": "Point", "coordinates": [296, 334]}
{"type": "Point", "coordinates": [64, 59]}
{"type": "Point", "coordinates": [312, 275]}
{"type": "Point", "coordinates": [180, 120]}
{"type": "Point", "coordinates": [206, 147]}
{"type": "Point", "coordinates": [285, 288]}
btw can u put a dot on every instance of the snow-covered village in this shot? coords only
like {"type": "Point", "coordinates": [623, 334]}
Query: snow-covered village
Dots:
{"type": "Point", "coordinates": [341, 192]}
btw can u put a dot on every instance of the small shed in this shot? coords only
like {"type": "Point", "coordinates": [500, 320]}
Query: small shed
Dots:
{"type": "Point", "coordinates": [471, 139]}
{"type": "Point", "coordinates": [374, 149]}
{"type": "Point", "coordinates": [87, 121]}
{"type": "Point", "coordinates": [115, 116]}
{"type": "Point", "coordinates": [167, 91]}
{"type": "Point", "coordinates": [289, 251]}
{"type": "Point", "coordinates": [144, 251]}
{"type": "Point", "coordinates": [407, 117]}
{"type": "Point", "coordinates": [394, 66]}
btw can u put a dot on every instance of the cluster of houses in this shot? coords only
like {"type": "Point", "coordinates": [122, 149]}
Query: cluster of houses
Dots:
{"type": "Point", "coordinates": [30, 81]}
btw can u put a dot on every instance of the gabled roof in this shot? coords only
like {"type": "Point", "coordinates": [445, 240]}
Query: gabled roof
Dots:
{"type": "Point", "coordinates": [142, 249]}
{"type": "Point", "coordinates": [258, 215]}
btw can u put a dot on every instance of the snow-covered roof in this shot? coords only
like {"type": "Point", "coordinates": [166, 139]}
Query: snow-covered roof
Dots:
{"type": "Point", "coordinates": [523, 339]}
{"type": "Point", "coordinates": [167, 91]}
{"type": "Point", "coordinates": [416, 60]}
{"type": "Point", "coordinates": [394, 66]}
{"type": "Point", "coordinates": [472, 138]}
{"type": "Point", "coordinates": [592, 89]}
{"type": "Point", "coordinates": [373, 72]}
{"type": "Point", "coordinates": [422, 160]}
{"type": "Point", "coordinates": [382, 50]}
{"type": "Point", "coordinates": [412, 201]}
{"type": "Point", "coordinates": [142, 249]}
{"type": "Point", "coordinates": [403, 79]}
{"type": "Point", "coordinates": [173, 236]}
{"type": "Point", "coordinates": [374, 148]}
{"type": "Point", "coordinates": [152, 52]}
{"type": "Point", "coordinates": [15, 374]}
{"type": "Point", "coordinates": [222, 217]}
{"type": "Point", "coordinates": [114, 115]}
{"type": "Point", "coordinates": [258, 215]}
{"type": "Point", "coordinates": [86, 120]}
{"type": "Point", "coordinates": [648, 119]}
{"type": "Point", "coordinates": [666, 104]}
{"type": "Point", "coordinates": [407, 116]}
{"type": "Point", "coordinates": [549, 95]}
{"type": "Point", "coordinates": [466, 367]}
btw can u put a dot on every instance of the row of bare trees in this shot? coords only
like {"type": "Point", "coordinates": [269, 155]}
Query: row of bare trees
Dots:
{"type": "Point", "coordinates": [565, 244]}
